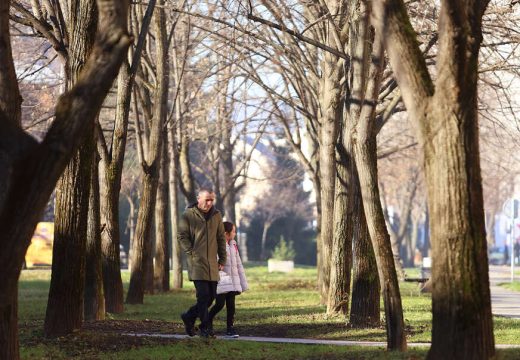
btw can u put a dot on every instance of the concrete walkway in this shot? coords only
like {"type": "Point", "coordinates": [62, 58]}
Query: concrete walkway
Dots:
{"type": "Point", "coordinates": [380, 344]}
{"type": "Point", "coordinates": [504, 302]}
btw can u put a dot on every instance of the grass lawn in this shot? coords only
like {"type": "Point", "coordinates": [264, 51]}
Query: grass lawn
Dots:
{"type": "Point", "coordinates": [515, 285]}
{"type": "Point", "coordinates": [282, 305]}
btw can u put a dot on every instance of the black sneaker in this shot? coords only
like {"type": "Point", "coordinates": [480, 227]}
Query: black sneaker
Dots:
{"type": "Point", "coordinates": [189, 324]}
{"type": "Point", "coordinates": [231, 333]}
{"type": "Point", "coordinates": [206, 334]}
{"type": "Point", "coordinates": [210, 331]}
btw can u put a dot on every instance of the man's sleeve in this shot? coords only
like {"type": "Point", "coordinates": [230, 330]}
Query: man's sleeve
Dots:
{"type": "Point", "coordinates": [221, 243]}
{"type": "Point", "coordinates": [183, 235]}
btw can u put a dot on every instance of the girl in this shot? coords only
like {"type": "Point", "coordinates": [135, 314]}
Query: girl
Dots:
{"type": "Point", "coordinates": [232, 283]}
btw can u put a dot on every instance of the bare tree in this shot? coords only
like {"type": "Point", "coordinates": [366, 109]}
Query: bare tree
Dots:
{"type": "Point", "coordinates": [445, 113]}
{"type": "Point", "coordinates": [150, 166]}
{"type": "Point", "coordinates": [32, 168]}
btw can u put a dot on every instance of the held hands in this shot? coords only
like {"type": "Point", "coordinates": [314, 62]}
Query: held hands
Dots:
{"type": "Point", "coordinates": [220, 267]}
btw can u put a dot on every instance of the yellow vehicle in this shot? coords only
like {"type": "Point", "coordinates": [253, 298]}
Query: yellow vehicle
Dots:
{"type": "Point", "coordinates": [39, 252]}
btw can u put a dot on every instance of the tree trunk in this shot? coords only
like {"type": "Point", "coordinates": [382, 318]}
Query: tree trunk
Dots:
{"type": "Point", "coordinates": [65, 306]}
{"type": "Point", "coordinates": [263, 250]}
{"type": "Point", "coordinates": [111, 170]}
{"type": "Point", "coordinates": [187, 182]}
{"type": "Point", "coordinates": [162, 250]}
{"type": "Point", "coordinates": [332, 110]}
{"type": "Point", "coordinates": [94, 297]}
{"type": "Point", "coordinates": [447, 122]}
{"type": "Point", "coordinates": [140, 253]}
{"type": "Point", "coordinates": [9, 327]}
{"type": "Point", "coordinates": [174, 211]}
{"type": "Point", "coordinates": [110, 239]}
{"type": "Point", "coordinates": [366, 162]}
{"type": "Point", "coordinates": [462, 321]}
{"type": "Point", "coordinates": [341, 258]}
{"type": "Point", "coordinates": [30, 169]}
{"type": "Point", "coordinates": [364, 311]}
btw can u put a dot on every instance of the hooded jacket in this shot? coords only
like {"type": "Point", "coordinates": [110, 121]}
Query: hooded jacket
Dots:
{"type": "Point", "coordinates": [201, 237]}
{"type": "Point", "coordinates": [235, 270]}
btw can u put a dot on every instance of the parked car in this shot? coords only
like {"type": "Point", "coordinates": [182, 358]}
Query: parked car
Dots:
{"type": "Point", "coordinates": [39, 252]}
{"type": "Point", "coordinates": [498, 255]}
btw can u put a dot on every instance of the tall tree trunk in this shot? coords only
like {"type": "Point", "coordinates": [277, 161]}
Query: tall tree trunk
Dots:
{"type": "Point", "coordinates": [9, 327]}
{"type": "Point", "coordinates": [111, 171]}
{"type": "Point", "coordinates": [174, 210]}
{"type": "Point", "coordinates": [263, 250]}
{"type": "Point", "coordinates": [332, 109]}
{"type": "Point", "coordinates": [460, 295]}
{"type": "Point", "coordinates": [187, 181]}
{"type": "Point", "coordinates": [151, 166]}
{"type": "Point", "coordinates": [65, 305]}
{"type": "Point", "coordinates": [110, 239]}
{"type": "Point", "coordinates": [341, 259]}
{"type": "Point", "coordinates": [30, 169]}
{"type": "Point", "coordinates": [162, 250]}
{"type": "Point", "coordinates": [94, 297]}
{"type": "Point", "coordinates": [366, 162]}
{"type": "Point", "coordinates": [365, 287]}
{"type": "Point", "coordinates": [447, 122]}
{"type": "Point", "coordinates": [112, 168]}
{"type": "Point", "coordinates": [10, 111]}
{"type": "Point", "coordinates": [364, 310]}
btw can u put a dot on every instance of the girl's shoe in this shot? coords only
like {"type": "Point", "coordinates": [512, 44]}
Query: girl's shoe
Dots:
{"type": "Point", "coordinates": [231, 333]}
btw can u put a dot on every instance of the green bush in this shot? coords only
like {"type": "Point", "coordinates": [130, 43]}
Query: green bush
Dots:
{"type": "Point", "coordinates": [284, 250]}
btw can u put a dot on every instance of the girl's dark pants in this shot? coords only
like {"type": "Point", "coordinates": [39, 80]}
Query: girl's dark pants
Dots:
{"type": "Point", "coordinates": [229, 300]}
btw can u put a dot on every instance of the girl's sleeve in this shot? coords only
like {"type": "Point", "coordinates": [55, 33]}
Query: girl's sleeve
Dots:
{"type": "Point", "coordinates": [241, 272]}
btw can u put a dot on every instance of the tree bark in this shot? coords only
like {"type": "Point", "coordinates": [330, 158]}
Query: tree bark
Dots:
{"type": "Point", "coordinates": [366, 160]}
{"type": "Point", "coordinates": [94, 300]}
{"type": "Point", "coordinates": [65, 305]}
{"type": "Point", "coordinates": [341, 258]}
{"type": "Point", "coordinates": [32, 169]}
{"type": "Point", "coordinates": [263, 250]}
{"type": "Point", "coordinates": [111, 171]}
{"type": "Point", "coordinates": [9, 327]}
{"type": "Point", "coordinates": [162, 250]}
{"type": "Point", "coordinates": [447, 123]}
{"type": "Point", "coordinates": [112, 168]}
{"type": "Point", "coordinates": [174, 211]}
{"type": "Point", "coordinates": [364, 310]}
{"type": "Point", "coordinates": [110, 239]}
{"type": "Point", "coordinates": [140, 253]}
{"type": "Point", "coordinates": [366, 94]}
{"type": "Point", "coordinates": [187, 182]}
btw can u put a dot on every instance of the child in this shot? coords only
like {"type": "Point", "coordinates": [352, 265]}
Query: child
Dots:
{"type": "Point", "coordinates": [232, 283]}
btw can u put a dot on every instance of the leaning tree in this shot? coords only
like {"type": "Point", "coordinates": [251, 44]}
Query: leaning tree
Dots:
{"type": "Point", "coordinates": [444, 110]}
{"type": "Point", "coordinates": [30, 169]}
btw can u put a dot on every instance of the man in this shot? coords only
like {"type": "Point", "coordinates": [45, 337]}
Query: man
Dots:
{"type": "Point", "coordinates": [201, 237]}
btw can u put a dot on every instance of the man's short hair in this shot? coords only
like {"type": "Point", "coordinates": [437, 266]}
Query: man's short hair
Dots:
{"type": "Point", "coordinates": [205, 190]}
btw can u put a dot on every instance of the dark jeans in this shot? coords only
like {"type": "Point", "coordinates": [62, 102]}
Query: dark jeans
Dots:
{"type": "Point", "coordinates": [205, 292]}
{"type": "Point", "coordinates": [229, 300]}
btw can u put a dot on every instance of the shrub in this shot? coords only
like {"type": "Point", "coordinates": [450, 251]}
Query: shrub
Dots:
{"type": "Point", "coordinates": [284, 250]}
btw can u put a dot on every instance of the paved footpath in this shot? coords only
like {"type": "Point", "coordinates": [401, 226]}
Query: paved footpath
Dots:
{"type": "Point", "coordinates": [380, 344]}
{"type": "Point", "coordinates": [504, 303]}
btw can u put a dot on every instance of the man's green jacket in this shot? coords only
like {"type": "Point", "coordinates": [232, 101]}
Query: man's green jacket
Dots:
{"type": "Point", "coordinates": [201, 237]}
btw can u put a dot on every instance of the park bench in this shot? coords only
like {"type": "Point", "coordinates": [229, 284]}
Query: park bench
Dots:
{"type": "Point", "coordinates": [426, 273]}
